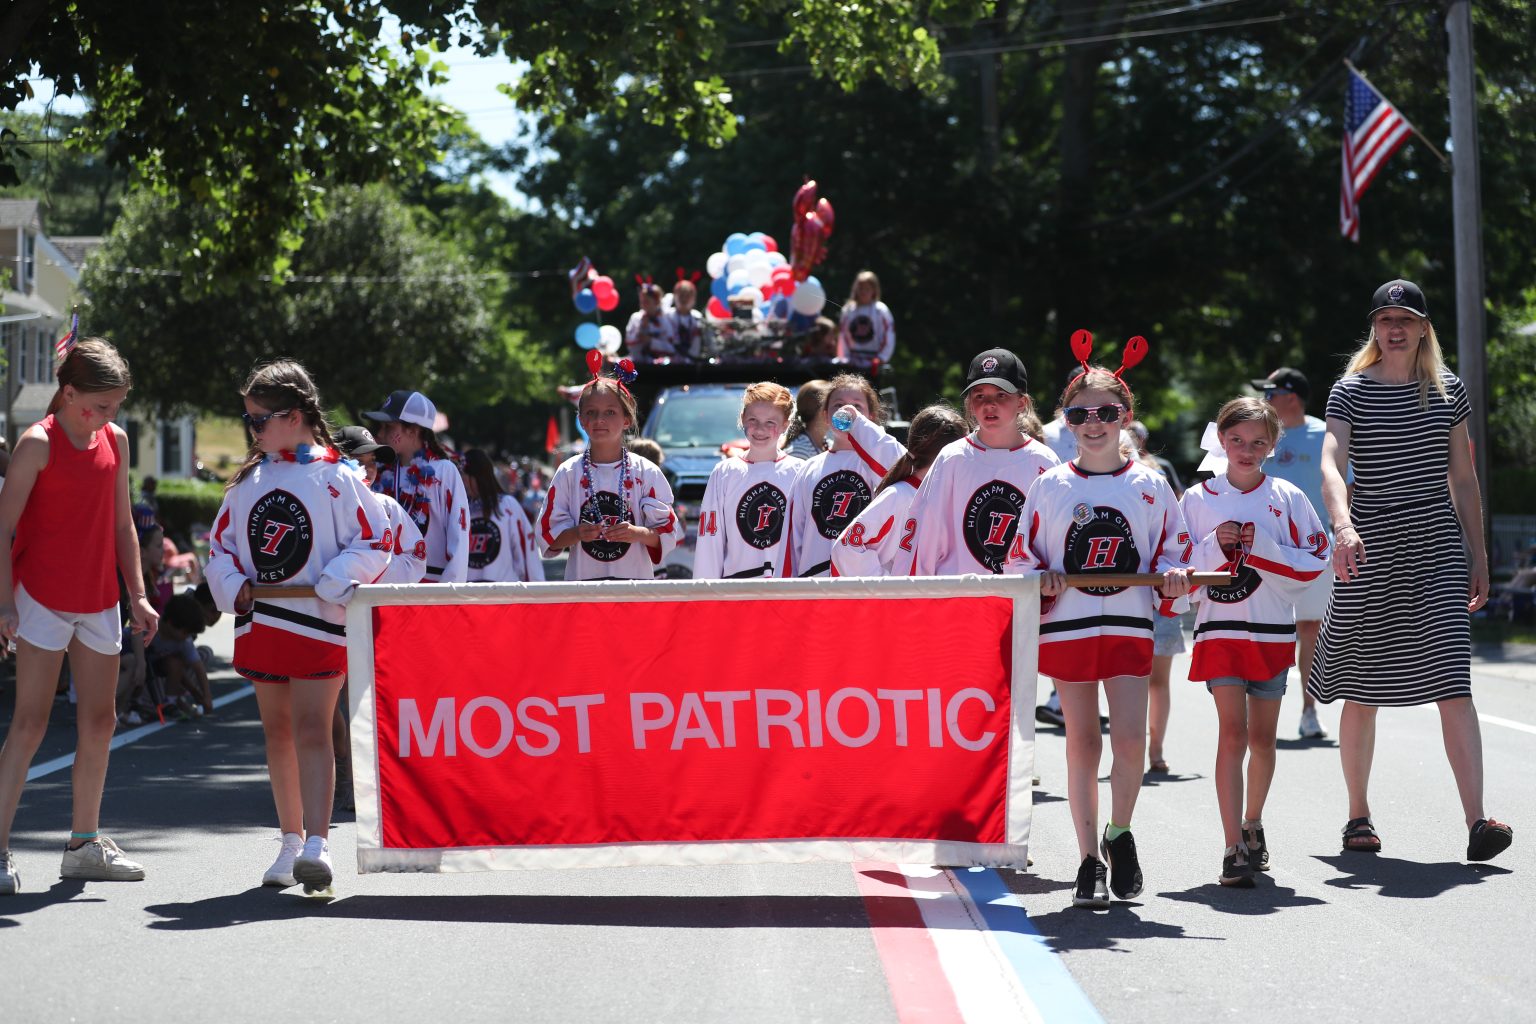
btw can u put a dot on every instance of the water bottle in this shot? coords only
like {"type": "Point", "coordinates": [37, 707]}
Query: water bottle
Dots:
{"type": "Point", "coordinates": [843, 419]}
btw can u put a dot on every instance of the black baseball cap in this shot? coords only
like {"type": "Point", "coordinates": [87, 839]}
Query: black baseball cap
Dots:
{"type": "Point", "coordinates": [1289, 378]}
{"type": "Point", "coordinates": [1000, 368]}
{"type": "Point", "coordinates": [355, 441]}
{"type": "Point", "coordinates": [1399, 294]}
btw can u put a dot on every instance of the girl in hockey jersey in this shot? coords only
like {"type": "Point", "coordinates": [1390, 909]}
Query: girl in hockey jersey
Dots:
{"type": "Point", "coordinates": [879, 541]}
{"type": "Point", "coordinates": [68, 532]}
{"type": "Point", "coordinates": [1263, 530]}
{"type": "Point", "coordinates": [610, 507]}
{"type": "Point", "coordinates": [426, 482]}
{"type": "Point", "coordinates": [746, 502]}
{"type": "Point", "coordinates": [295, 514]}
{"type": "Point", "coordinates": [502, 548]}
{"type": "Point", "coordinates": [408, 550]}
{"type": "Point", "coordinates": [965, 518]}
{"type": "Point", "coordinates": [1103, 512]}
{"type": "Point", "coordinates": [836, 485]}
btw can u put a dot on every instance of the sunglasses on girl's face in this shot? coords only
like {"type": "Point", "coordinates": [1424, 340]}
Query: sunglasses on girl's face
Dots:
{"type": "Point", "coordinates": [259, 423]}
{"type": "Point", "coordinates": [1077, 415]}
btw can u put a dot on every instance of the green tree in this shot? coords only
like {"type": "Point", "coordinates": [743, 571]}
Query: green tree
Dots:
{"type": "Point", "coordinates": [80, 190]}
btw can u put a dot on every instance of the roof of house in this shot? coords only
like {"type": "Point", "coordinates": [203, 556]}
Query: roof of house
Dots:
{"type": "Point", "coordinates": [76, 248]}
{"type": "Point", "coordinates": [15, 213]}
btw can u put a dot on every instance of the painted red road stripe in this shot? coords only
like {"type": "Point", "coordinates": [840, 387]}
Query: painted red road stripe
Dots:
{"type": "Point", "coordinates": [919, 987]}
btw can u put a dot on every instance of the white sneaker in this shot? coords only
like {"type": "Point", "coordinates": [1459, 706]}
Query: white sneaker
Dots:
{"type": "Point", "coordinates": [10, 878]}
{"type": "Point", "coordinates": [100, 860]}
{"type": "Point", "coordinates": [280, 873]}
{"type": "Point", "coordinates": [1311, 728]}
{"type": "Point", "coordinates": [312, 867]}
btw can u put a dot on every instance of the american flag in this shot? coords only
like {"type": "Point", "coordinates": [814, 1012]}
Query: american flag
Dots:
{"type": "Point", "coordinates": [1373, 130]}
{"type": "Point", "coordinates": [63, 345]}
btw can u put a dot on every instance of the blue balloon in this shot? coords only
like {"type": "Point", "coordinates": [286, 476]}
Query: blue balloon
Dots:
{"type": "Point", "coordinates": [586, 302]}
{"type": "Point", "coordinates": [736, 244]}
{"type": "Point", "coordinates": [799, 321]}
{"type": "Point", "coordinates": [753, 243]}
{"type": "Point", "coordinates": [719, 289]}
{"type": "Point", "coordinates": [588, 334]}
{"type": "Point", "coordinates": [778, 307]}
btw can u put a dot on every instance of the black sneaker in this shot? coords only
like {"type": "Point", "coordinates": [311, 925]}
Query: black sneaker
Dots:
{"type": "Point", "coordinates": [1049, 715]}
{"type": "Point", "coordinates": [1258, 850]}
{"type": "Point", "coordinates": [1124, 868]}
{"type": "Point", "coordinates": [1235, 869]}
{"type": "Point", "coordinates": [1091, 890]}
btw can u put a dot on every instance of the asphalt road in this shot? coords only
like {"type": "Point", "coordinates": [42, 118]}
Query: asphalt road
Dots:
{"type": "Point", "coordinates": [1415, 932]}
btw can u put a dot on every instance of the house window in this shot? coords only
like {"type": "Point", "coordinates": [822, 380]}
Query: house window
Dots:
{"type": "Point", "coordinates": [24, 347]}
{"type": "Point", "coordinates": [44, 357]}
{"type": "Point", "coordinates": [170, 449]}
{"type": "Point", "coordinates": [28, 256]}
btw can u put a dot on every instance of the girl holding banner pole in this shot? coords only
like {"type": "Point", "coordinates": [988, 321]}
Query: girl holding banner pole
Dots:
{"type": "Point", "coordinates": [743, 517]}
{"type": "Point", "coordinates": [1103, 512]}
{"type": "Point", "coordinates": [297, 515]}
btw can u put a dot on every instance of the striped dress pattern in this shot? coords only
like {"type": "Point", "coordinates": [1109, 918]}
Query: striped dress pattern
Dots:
{"type": "Point", "coordinates": [1399, 634]}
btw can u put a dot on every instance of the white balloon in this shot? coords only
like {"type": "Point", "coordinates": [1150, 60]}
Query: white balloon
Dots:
{"type": "Point", "coordinates": [778, 259]}
{"type": "Point", "coordinates": [716, 264]}
{"type": "Point", "coordinates": [756, 256]}
{"type": "Point", "coordinates": [759, 274]}
{"type": "Point", "coordinates": [735, 263]}
{"type": "Point", "coordinates": [609, 339]}
{"type": "Point", "coordinates": [751, 295]}
{"type": "Point", "coordinates": [808, 299]}
{"type": "Point", "coordinates": [738, 278]}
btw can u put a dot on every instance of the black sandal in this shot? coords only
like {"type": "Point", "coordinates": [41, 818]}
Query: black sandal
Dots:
{"type": "Point", "coordinates": [1488, 839]}
{"type": "Point", "coordinates": [1360, 836]}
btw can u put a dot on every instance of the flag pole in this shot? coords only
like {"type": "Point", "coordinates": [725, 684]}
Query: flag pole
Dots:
{"type": "Point", "coordinates": [1444, 160]}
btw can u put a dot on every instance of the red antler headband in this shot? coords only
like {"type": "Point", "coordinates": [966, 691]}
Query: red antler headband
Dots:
{"type": "Point", "coordinates": [683, 275]}
{"type": "Point", "coordinates": [624, 371]}
{"type": "Point", "coordinates": [648, 286]}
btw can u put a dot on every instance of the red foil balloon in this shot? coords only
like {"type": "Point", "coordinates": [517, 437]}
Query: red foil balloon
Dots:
{"type": "Point", "coordinates": [824, 211]}
{"type": "Point", "coordinates": [594, 361]}
{"type": "Point", "coordinates": [805, 198]}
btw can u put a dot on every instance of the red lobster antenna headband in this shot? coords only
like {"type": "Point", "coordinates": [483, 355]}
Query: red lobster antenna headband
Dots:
{"type": "Point", "coordinates": [624, 371]}
{"type": "Point", "coordinates": [683, 275]}
{"type": "Point", "coordinates": [1082, 349]}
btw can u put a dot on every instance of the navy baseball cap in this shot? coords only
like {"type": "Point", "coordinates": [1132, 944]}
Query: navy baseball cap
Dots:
{"type": "Point", "coordinates": [1399, 294]}
{"type": "Point", "coordinates": [1000, 368]}
{"type": "Point", "coordinates": [406, 407]}
{"type": "Point", "coordinates": [1287, 377]}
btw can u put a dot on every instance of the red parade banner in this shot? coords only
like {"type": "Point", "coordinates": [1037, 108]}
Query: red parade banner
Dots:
{"type": "Point", "coordinates": [691, 722]}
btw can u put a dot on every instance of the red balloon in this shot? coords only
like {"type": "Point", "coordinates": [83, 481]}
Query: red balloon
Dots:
{"type": "Point", "coordinates": [770, 244]}
{"type": "Point", "coordinates": [717, 309]}
{"type": "Point", "coordinates": [608, 301]}
{"type": "Point", "coordinates": [601, 285]}
{"type": "Point", "coordinates": [805, 198]}
{"type": "Point", "coordinates": [824, 211]}
{"type": "Point", "coordinates": [594, 361]}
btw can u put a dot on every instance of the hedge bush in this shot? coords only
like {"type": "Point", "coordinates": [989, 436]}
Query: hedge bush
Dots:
{"type": "Point", "coordinates": [185, 502]}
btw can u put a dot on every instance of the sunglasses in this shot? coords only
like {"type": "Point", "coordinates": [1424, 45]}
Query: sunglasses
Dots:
{"type": "Point", "coordinates": [1274, 389]}
{"type": "Point", "coordinates": [259, 423]}
{"type": "Point", "coordinates": [1077, 415]}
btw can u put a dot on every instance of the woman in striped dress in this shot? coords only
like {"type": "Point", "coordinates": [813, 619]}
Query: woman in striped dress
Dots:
{"type": "Point", "coordinates": [1398, 417]}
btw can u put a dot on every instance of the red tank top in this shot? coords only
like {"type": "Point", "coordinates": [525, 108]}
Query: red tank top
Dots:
{"type": "Point", "coordinates": [65, 552]}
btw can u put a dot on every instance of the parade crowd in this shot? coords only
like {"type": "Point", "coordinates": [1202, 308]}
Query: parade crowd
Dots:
{"type": "Point", "coordinates": [1357, 538]}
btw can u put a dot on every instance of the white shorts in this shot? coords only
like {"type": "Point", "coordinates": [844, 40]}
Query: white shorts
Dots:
{"type": "Point", "coordinates": [1312, 605]}
{"type": "Point", "coordinates": [43, 627]}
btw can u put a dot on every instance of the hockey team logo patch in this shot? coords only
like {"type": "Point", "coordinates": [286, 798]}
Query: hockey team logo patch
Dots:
{"type": "Point", "coordinates": [760, 515]}
{"type": "Point", "coordinates": [1245, 579]}
{"type": "Point", "coordinates": [989, 364]}
{"type": "Point", "coordinates": [836, 499]}
{"type": "Point", "coordinates": [1395, 293]}
{"type": "Point", "coordinates": [991, 522]}
{"type": "Point", "coordinates": [1103, 544]}
{"type": "Point", "coordinates": [610, 511]}
{"type": "Point", "coordinates": [484, 542]}
{"type": "Point", "coordinates": [281, 535]}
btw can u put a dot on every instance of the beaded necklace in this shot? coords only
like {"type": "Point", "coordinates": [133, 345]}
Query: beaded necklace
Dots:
{"type": "Point", "coordinates": [589, 497]}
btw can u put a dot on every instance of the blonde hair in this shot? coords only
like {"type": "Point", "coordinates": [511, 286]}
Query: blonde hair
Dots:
{"type": "Point", "coordinates": [1249, 410]}
{"type": "Point", "coordinates": [865, 276]}
{"type": "Point", "coordinates": [767, 391]}
{"type": "Point", "coordinates": [1098, 378]}
{"type": "Point", "coordinates": [1428, 367]}
{"type": "Point", "coordinates": [91, 367]}
{"type": "Point", "coordinates": [1028, 420]}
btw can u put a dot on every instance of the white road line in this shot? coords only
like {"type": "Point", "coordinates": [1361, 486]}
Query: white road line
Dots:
{"type": "Point", "coordinates": [122, 739]}
{"type": "Point", "coordinates": [1507, 723]}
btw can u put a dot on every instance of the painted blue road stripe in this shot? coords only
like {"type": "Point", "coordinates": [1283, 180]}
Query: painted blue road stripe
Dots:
{"type": "Point", "coordinates": [1051, 987]}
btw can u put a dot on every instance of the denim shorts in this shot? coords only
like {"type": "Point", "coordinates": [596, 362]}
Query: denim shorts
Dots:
{"type": "Point", "coordinates": [1268, 689]}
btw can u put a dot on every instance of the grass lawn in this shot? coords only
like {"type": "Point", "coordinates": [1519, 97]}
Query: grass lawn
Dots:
{"type": "Point", "coordinates": [221, 443]}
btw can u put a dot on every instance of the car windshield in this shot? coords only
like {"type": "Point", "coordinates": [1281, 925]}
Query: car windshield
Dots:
{"type": "Point", "coordinates": [699, 419]}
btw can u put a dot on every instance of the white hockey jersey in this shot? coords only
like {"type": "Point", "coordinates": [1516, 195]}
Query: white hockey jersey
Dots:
{"type": "Point", "coordinates": [566, 504]}
{"type": "Point", "coordinates": [408, 557]}
{"type": "Point", "coordinates": [1247, 628]}
{"type": "Point", "coordinates": [1079, 522]}
{"type": "Point", "coordinates": [831, 491]}
{"type": "Point", "coordinates": [502, 548]}
{"type": "Point", "coordinates": [743, 519]}
{"type": "Point", "coordinates": [966, 515]}
{"type": "Point", "coordinates": [688, 332]}
{"type": "Point", "coordinates": [879, 541]}
{"type": "Point", "coordinates": [432, 494]}
{"type": "Point", "coordinates": [295, 523]}
{"type": "Point", "coordinates": [648, 338]}
{"type": "Point", "coordinates": [866, 333]}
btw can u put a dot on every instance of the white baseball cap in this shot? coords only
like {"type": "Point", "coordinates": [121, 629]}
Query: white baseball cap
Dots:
{"type": "Point", "coordinates": [406, 407]}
